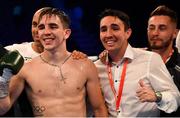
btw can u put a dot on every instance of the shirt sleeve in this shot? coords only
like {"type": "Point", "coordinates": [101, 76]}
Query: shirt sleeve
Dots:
{"type": "Point", "coordinates": [10, 47]}
{"type": "Point", "coordinates": [162, 81]}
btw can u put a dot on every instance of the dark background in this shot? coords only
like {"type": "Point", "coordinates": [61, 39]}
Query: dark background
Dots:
{"type": "Point", "coordinates": [16, 17]}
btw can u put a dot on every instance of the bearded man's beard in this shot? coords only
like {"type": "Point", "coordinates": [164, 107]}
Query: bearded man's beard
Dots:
{"type": "Point", "coordinates": [164, 44]}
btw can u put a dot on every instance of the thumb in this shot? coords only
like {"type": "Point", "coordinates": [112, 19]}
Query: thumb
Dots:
{"type": "Point", "coordinates": [141, 83]}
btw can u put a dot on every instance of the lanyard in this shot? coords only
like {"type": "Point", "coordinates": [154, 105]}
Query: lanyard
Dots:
{"type": "Point", "coordinates": [117, 97]}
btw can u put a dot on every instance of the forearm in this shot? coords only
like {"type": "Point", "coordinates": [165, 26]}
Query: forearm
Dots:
{"type": "Point", "coordinates": [4, 105]}
{"type": "Point", "coordinates": [101, 111]}
{"type": "Point", "coordinates": [169, 102]}
{"type": "Point", "coordinates": [10, 64]}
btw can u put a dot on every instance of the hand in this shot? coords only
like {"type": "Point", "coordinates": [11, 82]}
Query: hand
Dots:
{"type": "Point", "coordinates": [13, 61]}
{"type": "Point", "coordinates": [145, 93]}
{"type": "Point", "coordinates": [78, 55]}
{"type": "Point", "coordinates": [103, 56]}
{"type": "Point", "coordinates": [10, 63]}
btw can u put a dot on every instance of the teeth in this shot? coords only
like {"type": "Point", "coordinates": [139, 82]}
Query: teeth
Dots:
{"type": "Point", "coordinates": [110, 42]}
{"type": "Point", "coordinates": [47, 40]}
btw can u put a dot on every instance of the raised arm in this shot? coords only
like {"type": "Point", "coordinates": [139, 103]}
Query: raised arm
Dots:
{"type": "Point", "coordinates": [10, 64]}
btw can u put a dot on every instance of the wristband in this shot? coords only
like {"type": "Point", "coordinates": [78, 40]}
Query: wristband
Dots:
{"type": "Point", "coordinates": [4, 82]}
{"type": "Point", "coordinates": [4, 86]}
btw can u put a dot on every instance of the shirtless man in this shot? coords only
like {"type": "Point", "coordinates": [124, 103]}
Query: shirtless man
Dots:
{"type": "Point", "coordinates": [56, 83]}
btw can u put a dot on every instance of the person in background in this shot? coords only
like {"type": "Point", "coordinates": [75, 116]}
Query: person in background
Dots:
{"type": "Point", "coordinates": [134, 82]}
{"type": "Point", "coordinates": [57, 84]}
{"type": "Point", "coordinates": [29, 50]}
{"type": "Point", "coordinates": [162, 32]}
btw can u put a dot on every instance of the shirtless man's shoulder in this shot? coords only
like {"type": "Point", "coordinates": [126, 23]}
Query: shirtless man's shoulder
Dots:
{"type": "Point", "coordinates": [29, 69]}
{"type": "Point", "coordinates": [85, 63]}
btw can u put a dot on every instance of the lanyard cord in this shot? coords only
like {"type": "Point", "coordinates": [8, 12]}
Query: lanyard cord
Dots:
{"type": "Point", "coordinates": [117, 97]}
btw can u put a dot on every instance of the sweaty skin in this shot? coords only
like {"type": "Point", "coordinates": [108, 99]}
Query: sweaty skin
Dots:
{"type": "Point", "coordinates": [56, 87]}
{"type": "Point", "coordinates": [52, 96]}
